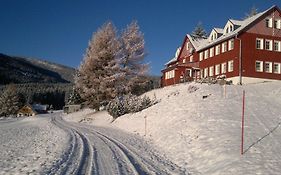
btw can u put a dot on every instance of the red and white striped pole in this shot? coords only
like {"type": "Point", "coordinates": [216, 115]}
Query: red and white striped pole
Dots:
{"type": "Point", "coordinates": [242, 133]}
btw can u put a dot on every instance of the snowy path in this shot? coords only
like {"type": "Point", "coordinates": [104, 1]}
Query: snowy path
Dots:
{"type": "Point", "coordinates": [95, 150]}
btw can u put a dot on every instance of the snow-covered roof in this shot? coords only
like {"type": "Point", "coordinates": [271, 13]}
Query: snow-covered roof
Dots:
{"type": "Point", "coordinates": [202, 43]}
{"type": "Point", "coordinates": [172, 60]}
{"type": "Point", "coordinates": [218, 30]}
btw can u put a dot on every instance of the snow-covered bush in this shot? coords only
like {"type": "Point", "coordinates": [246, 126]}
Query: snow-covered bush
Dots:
{"type": "Point", "coordinates": [192, 88]}
{"type": "Point", "coordinates": [128, 104]}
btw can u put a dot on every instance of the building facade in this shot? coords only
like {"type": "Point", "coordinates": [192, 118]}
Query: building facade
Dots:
{"type": "Point", "coordinates": [243, 51]}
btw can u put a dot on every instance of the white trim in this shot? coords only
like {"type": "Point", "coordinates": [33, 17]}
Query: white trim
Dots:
{"type": "Point", "coordinates": [218, 48]}
{"type": "Point", "coordinates": [270, 44]}
{"type": "Point", "coordinates": [206, 54]}
{"type": "Point", "coordinates": [269, 68]}
{"type": "Point", "coordinates": [261, 66]}
{"type": "Point", "coordinates": [279, 68]}
{"type": "Point", "coordinates": [212, 51]}
{"type": "Point", "coordinates": [223, 68]}
{"type": "Point", "coordinates": [261, 43]}
{"type": "Point", "coordinates": [224, 47]}
{"type": "Point", "coordinates": [201, 56]}
{"type": "Point", "coordinates": [231, 44]}
{"type": "Point", "coordinates": [230, 66]}
{"type": "Point", "coordinates": [217, 71]}
{"type": "Point", "coordinates": [211, 71]}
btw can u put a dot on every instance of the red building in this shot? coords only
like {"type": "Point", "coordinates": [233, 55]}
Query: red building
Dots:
{"type": "Point", "coordinates": [243, 51]}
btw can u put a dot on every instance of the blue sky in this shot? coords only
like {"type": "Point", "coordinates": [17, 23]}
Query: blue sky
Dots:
{"type": "Point", "coordinates": [59, 30]}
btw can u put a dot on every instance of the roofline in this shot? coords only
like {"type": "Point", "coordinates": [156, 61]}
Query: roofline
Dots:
{"type": "Point", "coordinates": [242, 30]}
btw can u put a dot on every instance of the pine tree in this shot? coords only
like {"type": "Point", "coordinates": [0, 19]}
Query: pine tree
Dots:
{"type": "Point", "coordinates": [74, 97]}
{"type": "Point", "coordinates": [199, 31]}
{"type": "Point", "coordinates": [132, 55]}
{"type": "Point", "coordinates": [9, 101]}
{"type": "Point", "coordinates": [98, 73]}
{"type": "Point", "coordinates": [253, 11]}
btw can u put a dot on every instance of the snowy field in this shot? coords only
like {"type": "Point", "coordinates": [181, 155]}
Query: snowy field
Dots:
{"type": "Point", "coordinates": [30, 145]}
{"type": "Point", "coordinates": [204, 135]}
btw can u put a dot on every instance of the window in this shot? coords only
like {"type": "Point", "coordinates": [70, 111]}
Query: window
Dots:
{"type": "Point", "coordinates": [206, 54]}
{"type": "Point", "coordinates": [187, 45]}
{"type": "Point", "coordinates": [275, 24]}
{"type": "Point", "coordinates": [276, 68]}
{"type": "Point", "coordinates": [230, 66]}
{"type": "Point", "coordinates": [231, 28]}
{"type": "Point", "coordinates": [170, 74]}
{"type": "Point", "coordinates": [268, 44]}
{"type": "Point", "coordinates": [259, 66]}
{"type": "Point", "coordinates": [268, 22]}
{"type": "Point", "coordinates": [212, 52]}
{"type": "Point", "coordinates": [231, 44]}
{"type": "Point", "coordinates": [277, 46]}
{"type": "Point", "coordinates": [206, 72]}
{"type": "Point", "coordinates": [223, 68]}
{"type": "Point", "coordinates": [224, 46]}
{"type": "Point", "coordinates": [211, 71]}
{"type": "Point", "coordinates": [217, 69]}
{"type": "Point", "coordinates": [200, 56]}
{"type": "Point", "coordinates": [278, 26]}
{"type": "Point", "coordinates": [201, 73]}
{"type": "Point", "coordinates": [268, 67]}
{"type": "Point", "coordinates": [183, 61]}
{"type": "Point", "coordinates": [191, 58]}
{"type": "Point", "coordinates": [218, 49]}
{"type": "Point", "coordinates": [259, 43]}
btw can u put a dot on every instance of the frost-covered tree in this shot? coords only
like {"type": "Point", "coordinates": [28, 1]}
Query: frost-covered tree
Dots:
{"type": "Point", "coordinates": [253, 11]}
{"type": "Point", "coordinates": [10, 101]}
{"type": "Point", "coordinates": [74, 97]}
{"type": "Point", "coordinates": [99, 71]}
{"type": "Point", "coordinates": [199, 31]}
{"type": "Point", "coordinates": [132, 54]}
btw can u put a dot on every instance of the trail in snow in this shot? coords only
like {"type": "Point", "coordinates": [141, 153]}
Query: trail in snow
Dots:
{"type": "Point", "coordinates": [95, 150]}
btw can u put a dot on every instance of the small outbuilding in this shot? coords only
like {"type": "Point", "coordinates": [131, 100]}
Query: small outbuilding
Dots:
{"type": "Point", "coordinates": [26, 110]}
{"type": "Point", "coordinates": [71, 108]}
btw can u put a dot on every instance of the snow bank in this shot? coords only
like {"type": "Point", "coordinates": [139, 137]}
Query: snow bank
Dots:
{"type": "Point", "coordinates": [204, 135]}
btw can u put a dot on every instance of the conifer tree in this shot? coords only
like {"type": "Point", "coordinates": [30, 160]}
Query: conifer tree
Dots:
{"type": "Point", "coordinates": [98, 72]}
{"type": "Point", "coordinates": [253, 11]}
{"type": "Point", "coordinates": [9, 101]}
{"type": "Point", "coordinates": [199, 31]}
{"type": "Point", "coordinates": [132, 54]}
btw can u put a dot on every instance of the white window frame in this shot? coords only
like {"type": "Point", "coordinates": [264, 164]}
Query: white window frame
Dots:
{"type": "Point", "coordinates": [223, 68]}
{"type": "Point", "coordinates": [206, 54]}
{"type": "Point", "coordinates": [269, 22]}
{"type": "Point", "coordinates": [278, 23]}
{"type": "Point", "coordinates": [191, 58]}
{"type": "Point", "coordinates": [218, 47]}
{"type": "Point", "coordinates": [279, 68]}
{"type": "Point", "coordinates": [230, 66]}
{"type": "Point", "coordinates": [205, 72]}
{"type": "Point", "coordinates": [212, 52]}
{"type": "Point", "coordinates": [223, 47]}
{"type": "Point", "coordinates": [217, 69]}
{"type": "Point", "coordinates": [279, 46]}
{"type": "Point", "coordinates": [184, 60]}
{"type": "Point", "coordinates": [211, 71]}
{"type": "Point", "coordinates": [270, 67]}
{"type": "Point", "coordinates": [261, 66]}
{"type": "Point", "coordinates": [201, 56]}
{"type": "Point", "coordinates": [261, 43]}
{"type": "Point", "coordinates": [231, 44]}
{"type": "Point", "coordinates": [270, 44]}
{"type": "Point", "coordinates": [187, 45]}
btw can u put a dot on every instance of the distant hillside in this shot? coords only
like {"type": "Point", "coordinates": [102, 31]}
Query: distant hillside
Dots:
{"type": "Point", "coordinates": [27, 70]}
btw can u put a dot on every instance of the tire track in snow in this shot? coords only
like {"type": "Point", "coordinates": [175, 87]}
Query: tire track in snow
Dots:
{"type": "Point", "coordinates": [78, 159]}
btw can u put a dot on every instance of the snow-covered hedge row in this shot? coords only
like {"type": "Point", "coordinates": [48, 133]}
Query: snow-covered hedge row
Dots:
{"type": "Point", "coordinates": [128, 104]}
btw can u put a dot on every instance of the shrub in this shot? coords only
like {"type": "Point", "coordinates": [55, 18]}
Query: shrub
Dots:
{"type": "Point", "coordinates": [128, 104]}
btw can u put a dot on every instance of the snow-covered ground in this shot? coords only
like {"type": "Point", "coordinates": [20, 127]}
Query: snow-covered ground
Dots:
{"type": "Point", "coordinates": [204, 135]}
{"type": "Point", "coordinates": [30, 145]}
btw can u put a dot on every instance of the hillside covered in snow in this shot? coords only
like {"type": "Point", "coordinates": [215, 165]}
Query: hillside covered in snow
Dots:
{"type": "Point", "coordinates": [203, 135]}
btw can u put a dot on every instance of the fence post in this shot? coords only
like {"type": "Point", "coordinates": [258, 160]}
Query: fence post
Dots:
{"type": "Point", "coordinates": [242, 132]}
